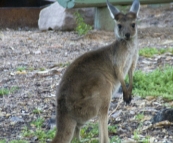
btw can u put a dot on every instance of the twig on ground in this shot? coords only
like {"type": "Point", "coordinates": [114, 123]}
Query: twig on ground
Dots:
{"type": "Point", "coordinates": [119, 101]}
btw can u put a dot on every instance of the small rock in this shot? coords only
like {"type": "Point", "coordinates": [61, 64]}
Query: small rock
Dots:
{"type": "Point", "coordinates": [132, 112]}
{"type": "Point", "coordinates": [1, 36]}
{"type": "Point", "coordinates": [2, 114]}
{"type": "Point", "coordinates": [166, 114]}
{"type": "Point", "coordinates": [51, 123]}
{"type": "Point", "coordinates": [7, 115]}
{"type": "Point", "coordinates": [116, 114]}
{"type": "Point", "coordinates": [16, 119]}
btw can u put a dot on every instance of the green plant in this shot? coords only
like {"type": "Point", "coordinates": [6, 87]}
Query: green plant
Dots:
{"type": "Point", "coordinates": [41, 135]}
{"type": "Point", "coordinates": [146, 140]}
{"type": "Point", "coordinates": [150, 52]}
{"type": "Point", "coordinates": [30, 69]}
{"type": "Point", "coordinates": [82, 28]}
{"type": "Point", "coordinates": [26, 132]}
{"type": "Point", "coordinates": [139, 117]}
{"type": "Point", "coordinates": [89, 131]}
{"type": "Point", "coordinates": [136, 135]}
{"type": "Point", "coordinates": [64, 64]}
{"type": "Point", "coordinates": [155, 83]}
{"type": "Point", "coordinates": [6, 91]}
{"type": "Point", "coordinates": [20, 68]}
{"type": "Point", "coordinates": [42, 69]}
{"type": "Point", "coordinates": [37, 123]}
{"type": "Point", "coordinates": [115, 139]}
{"type": "Point", "coordinates": [112, 129]}
{"type": "Point", "coordinates": [2, 141]}
{"type": "Point", "coordinates": [37, 111]}
{"type": "Point", "coordinates": [38, 132]}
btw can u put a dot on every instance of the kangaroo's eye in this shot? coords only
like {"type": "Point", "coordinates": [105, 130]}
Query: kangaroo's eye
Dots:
{"type": "Point", "coordinates": [119, 26]}
{"type": "Point", "coordinates": [133, 25]}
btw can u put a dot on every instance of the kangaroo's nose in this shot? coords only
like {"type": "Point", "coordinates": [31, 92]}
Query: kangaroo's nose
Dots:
{"type": "Point", "coordinates": [127, 35]}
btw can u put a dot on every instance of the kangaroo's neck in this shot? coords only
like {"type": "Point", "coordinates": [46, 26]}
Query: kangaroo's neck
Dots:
{"type": "Point", "coordinates": [122, 49]}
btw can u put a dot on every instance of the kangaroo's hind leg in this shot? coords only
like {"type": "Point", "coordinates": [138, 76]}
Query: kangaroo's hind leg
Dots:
{"type": "Point", "coordinates": [103, 116]}
{"type": "Point", "coordinates": [65, 129]}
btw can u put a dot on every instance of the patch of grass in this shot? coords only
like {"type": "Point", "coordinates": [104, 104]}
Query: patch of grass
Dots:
{"type": "Point", "coordinates": [112, 129]}
{"type": "Point", "coordinates": [150, 52]}
{"type": "Point", "coordinates": [82, 28]}
{"type": "Point", "coordinates": [64, 64]}
{"type": "Point", "coordinates": [139, 117]}
{"type": "Point", "coordinates": [38, 123]}
{"type": "Point", "coordinates": [90, 131]}
{"type": "Point", "coordinates": [26, 132]}
{"type": "Point", "coordinates": [21, 68]}
{"type": "Point", "coordinates": [42, 69]}
{"type": "Point", "coordinates": [137, 137]}
{"type": "Point", "coordinates": [146, 140]}
{"type": "Point", "coordinates": [156, 83]}
{"type": "Point", "coordinates": [30, 69]}
{"type": "Point", "coordinates": [38, 132]}
{"type": "Point", "coordinates": [90, 134]}
{"type": "Point", "coordinates": [37, 111]}
{"type": "Point", "coordinates": [2, 141]}
{"type": "Point", "coordinates": [115, 139]}
{"type": "Point", "coordinates": [6, 91]}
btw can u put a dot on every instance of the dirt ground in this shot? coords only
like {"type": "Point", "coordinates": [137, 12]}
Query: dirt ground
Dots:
{"type": "Point", "coordinates": [29, 60]}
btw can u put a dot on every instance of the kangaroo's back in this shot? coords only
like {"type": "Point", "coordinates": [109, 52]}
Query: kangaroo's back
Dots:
{"type": "Point", "coordinates": [87, 85]}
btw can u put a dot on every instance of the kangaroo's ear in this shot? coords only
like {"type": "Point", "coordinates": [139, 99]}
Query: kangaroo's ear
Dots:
{"type": "Point", "coordinates": [113, 11]}
{"type": "Point", "coordinates": [135, 7]}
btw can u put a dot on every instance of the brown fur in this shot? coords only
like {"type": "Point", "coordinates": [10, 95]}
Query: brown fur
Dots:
{"type": "Point", "coordinates": [87, 85]}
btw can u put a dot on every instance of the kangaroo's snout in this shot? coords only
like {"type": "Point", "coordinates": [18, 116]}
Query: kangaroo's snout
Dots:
{"type": "Point", "coordinates": [127, 35]}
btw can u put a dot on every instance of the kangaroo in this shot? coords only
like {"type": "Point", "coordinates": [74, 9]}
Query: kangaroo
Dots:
{"type": "Point", "coordinates": [88, 83]}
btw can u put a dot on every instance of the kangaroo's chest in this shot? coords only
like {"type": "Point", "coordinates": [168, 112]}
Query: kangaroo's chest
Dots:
{"type": "Point", "coordinates": [128, 60]}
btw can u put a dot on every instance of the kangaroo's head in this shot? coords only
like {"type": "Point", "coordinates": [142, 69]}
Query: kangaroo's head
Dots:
{"type": "Point", "coordinates": [125, 24]}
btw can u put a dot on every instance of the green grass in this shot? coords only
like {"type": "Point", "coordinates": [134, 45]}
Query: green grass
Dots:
{"type": "Point", "coordinates": [64, 64]}
{"type": "Point", "coordinates": [38, 123]}
{"type": "Point", "coordinates": [156, 83]}
{"type": "Point", "coordinates": [150, 52]}
{"type": "Point", "coordinates": [139, 117]}
{"type": "Point", "coordinates": [42, 69]}
{"type": "Point", "coordinates": [37, 111]}
{"type": "Point", "coordinates": [3, 141]}
{"type": "Point", "coordinates": [6, 91]}
{"type": "Point", "coordinates": [30, 69]}
{"type": "Point", "coordinates": [137, 138]}
{"type": "Point", "coordinates": [21, 68]}
{"type": "Point", "coordinates": [37, 131]}
{"type": "Point", "coordinates": [146, 140]}
{"type": "Point", "coordinates": [90, 134]}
